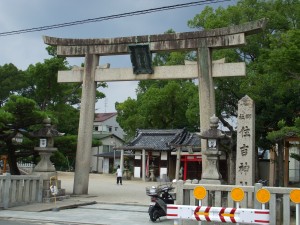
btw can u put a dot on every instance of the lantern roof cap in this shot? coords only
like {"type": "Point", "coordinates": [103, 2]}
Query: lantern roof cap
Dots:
{"type": "Point", "coordinates": [47, 131]}
{"type": "Point", "coordinates": [213, 132]}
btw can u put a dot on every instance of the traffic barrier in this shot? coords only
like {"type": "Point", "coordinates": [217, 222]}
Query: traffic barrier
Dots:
{"type": "Point", "coordinates": [229, 215]}
{"type": "Point", "coordinates": [221, 214]}
{"type": "Point", "coordinates": [218, 214]}
{"type": "Point", "coordinates": [281, 206]}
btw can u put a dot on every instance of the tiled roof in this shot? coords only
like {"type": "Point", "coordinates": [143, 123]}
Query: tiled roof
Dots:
{"type": "Point", "coordinates": [100, 117]}
{"type": "Point", "coordinates": [192, 139]}
{"type": "Point", "coordinates": [116, 154]}
{"type": "Point", "coordinates": [163, 140]}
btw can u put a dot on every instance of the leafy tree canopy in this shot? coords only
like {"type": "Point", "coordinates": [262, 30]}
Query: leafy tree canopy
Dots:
{"type": "Point", "coordinates": [285, 131]}
{"type": "Point", "coordinates": [11, 81]}
{"type": "Point", "coordinates": [18, 115]}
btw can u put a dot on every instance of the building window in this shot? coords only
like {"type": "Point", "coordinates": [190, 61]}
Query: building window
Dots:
{"type": "Point", "coordinates": [106, 148]}
{"type": "Point", "coordinates": [116, 128]}
{"type": "Point", "coordinates": [102, 128]}
{"type": "Point", "coordinates": [109, 128]}
{"type": "Point", "coordinates": [96, 128]}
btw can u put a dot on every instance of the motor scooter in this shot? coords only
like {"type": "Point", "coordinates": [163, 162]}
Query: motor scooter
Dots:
{"type": "Point", "coordinates": [160, 197]}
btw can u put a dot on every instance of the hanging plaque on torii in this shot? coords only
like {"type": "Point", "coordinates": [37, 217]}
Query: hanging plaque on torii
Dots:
{"type": "Point", "coordinates": [201, 41]}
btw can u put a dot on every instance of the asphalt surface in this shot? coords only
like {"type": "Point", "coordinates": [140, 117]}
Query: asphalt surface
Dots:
{"type": "Point", "coordinates": [106, 204]}
{"type": "Point", "coordinates": [103, 214]}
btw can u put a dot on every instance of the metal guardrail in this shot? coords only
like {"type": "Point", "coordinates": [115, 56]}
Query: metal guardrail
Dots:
{"type": "Point", "coordinates": [219, 196]}
{"type": "Point", "coordinates": [20, 190]}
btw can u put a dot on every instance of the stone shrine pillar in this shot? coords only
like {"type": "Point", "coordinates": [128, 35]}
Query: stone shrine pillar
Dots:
{"type": "Point", "coordinates": [245, 152]}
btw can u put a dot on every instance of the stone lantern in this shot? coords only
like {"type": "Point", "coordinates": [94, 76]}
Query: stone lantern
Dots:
{"type": "Point", "coordinates": [46, 148]}
{"type": "Point", "coordinates": [213, 135]}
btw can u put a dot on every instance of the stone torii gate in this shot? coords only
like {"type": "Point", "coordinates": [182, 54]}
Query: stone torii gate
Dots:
{"type": "Point", "coordinates": [201, 41]}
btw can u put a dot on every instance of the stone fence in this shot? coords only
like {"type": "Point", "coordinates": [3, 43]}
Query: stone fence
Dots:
{"type": "Point", "coordinates": [20, 190]}
{"type": "Point", "coordinates": [25, 168]}
{"type": "Point", "coordinates": [279, 205]}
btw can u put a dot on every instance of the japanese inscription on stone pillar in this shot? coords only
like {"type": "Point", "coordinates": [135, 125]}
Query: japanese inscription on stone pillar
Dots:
{"type": "Point", "coordinates": [245, 153]}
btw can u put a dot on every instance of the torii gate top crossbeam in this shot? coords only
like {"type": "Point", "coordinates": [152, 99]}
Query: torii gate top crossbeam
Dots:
{"type": "Point", "coordinates": [216, 38]}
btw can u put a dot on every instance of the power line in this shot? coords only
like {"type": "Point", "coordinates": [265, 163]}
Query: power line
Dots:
{"type": "Point", "coordinates": [116, 16]}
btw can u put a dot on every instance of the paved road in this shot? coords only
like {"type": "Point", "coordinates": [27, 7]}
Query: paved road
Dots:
{"type": "Point", "coordinates": [101, 214]}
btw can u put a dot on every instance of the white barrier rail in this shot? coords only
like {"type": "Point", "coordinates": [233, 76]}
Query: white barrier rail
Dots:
{"type": "Point", "coordinates": [218, 214]}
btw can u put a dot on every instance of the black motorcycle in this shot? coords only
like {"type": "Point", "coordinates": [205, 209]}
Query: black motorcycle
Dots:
{"type": "Point", "coordinates": [160, 197]}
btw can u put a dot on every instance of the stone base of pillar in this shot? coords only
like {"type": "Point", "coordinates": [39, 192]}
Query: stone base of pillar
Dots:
{"type": "Point", "coordinates": [47, 194]}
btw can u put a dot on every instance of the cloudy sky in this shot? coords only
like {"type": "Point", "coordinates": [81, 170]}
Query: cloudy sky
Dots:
{"type": "Point", "coordinates": [28, 48]}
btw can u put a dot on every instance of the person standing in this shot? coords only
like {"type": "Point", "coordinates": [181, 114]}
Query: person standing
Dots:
{"type": "Point", "coordinates": [119, 175]}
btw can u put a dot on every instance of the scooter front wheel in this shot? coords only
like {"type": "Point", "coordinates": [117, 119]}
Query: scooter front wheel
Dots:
{"type": "Point", "coordinates": [154, 214]}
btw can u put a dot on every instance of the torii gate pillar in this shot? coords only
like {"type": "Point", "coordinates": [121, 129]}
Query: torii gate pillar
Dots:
{"type": "Point", "coordinates": [85, 130]}
{"type": "Point", "coordinates": [206, 93]}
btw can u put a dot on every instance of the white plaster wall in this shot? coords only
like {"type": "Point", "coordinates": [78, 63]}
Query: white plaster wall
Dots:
{"type": "Point", "coordinates": [155, 153]}
{"type": "Point", "coordinates": [137, 172]}
{"type": "Point", "coordinates": [164, 156]}
{"type": "Point", "coordinates": [106, 166]}
{"type": "Point", "coordinates": [294, 166]}
{"type": "Point", "coordinates": [96, 166]}
{"type": "Point", "coordinates": [163, 171]}
{"type": "Point", "coordinates": [137, 155]}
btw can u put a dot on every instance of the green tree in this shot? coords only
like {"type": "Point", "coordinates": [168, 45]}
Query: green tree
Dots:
{"type": "Point", "coordinates": [60, 98]}
{"type": "Point", "coordinates": [11, 81]}
{"type": "Point", "coordinates": [162, 104]}
{"type": "Point", "coordinates": [18, 115]}
{"type": "Point", "coordinates": [168, 106]}
{"type": "Point", "coordinates": [129, 117]}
